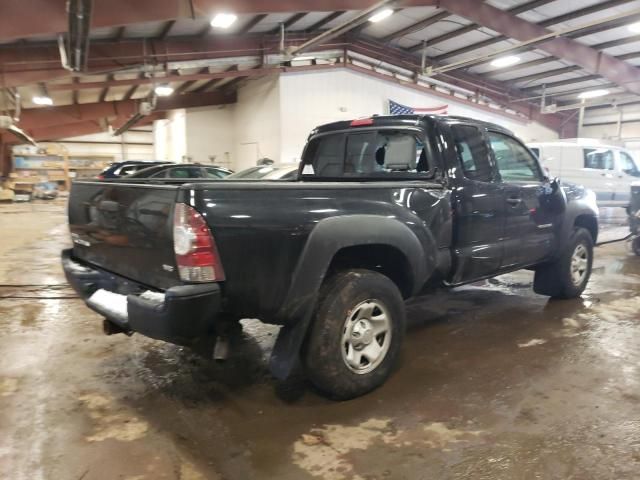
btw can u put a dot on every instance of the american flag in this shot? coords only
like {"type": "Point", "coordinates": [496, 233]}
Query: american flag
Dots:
{"type": "Point", "coordinates": [396, 108]}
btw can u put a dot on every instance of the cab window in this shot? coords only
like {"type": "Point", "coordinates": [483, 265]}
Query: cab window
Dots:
{"type": "Point", "coordinates": [628, 165]}
{"type": "Point", "coordinates": [515, 163]}
{"type": "Point", "coordinates": [385, 152]}
{"type": "Point", "coordinates": [598, 158]}
{"type": "Point", "coordinates": [368, 154]}
{"type": "Point", "coordinates": [472, 153]}
{"type": "Point", "coordinates": [324, 156]}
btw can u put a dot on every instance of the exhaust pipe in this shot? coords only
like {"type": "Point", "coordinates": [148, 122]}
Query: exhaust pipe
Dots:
{"type": "Point", "coordinates": [221, 349]}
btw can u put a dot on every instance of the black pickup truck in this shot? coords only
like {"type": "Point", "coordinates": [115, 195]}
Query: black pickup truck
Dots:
{"type": "Point", "coordinates": [384, 209]}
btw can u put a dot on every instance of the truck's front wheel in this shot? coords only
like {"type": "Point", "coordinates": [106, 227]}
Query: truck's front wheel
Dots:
{"type": "Point", "coordinates": [567, 277]}
{"type": "Point", "coordinates": [356, 334]}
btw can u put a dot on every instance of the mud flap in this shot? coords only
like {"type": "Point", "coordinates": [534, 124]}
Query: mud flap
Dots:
{"type": "Point", "coordinates": [286, 351]}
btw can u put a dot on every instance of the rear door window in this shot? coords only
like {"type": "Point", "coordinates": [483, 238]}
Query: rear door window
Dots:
{"type": "Point", "coordinates": [598, 159]}
{"type": "Point", "coordinates": [472, 153]}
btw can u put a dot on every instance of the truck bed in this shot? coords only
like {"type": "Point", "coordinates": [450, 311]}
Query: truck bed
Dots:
{"type": "Point", "coordinates": [260, 228]}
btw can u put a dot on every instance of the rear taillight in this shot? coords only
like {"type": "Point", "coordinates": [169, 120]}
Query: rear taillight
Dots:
{"type": "Point", "coordinates": [100, 177]}
{"type": "Point", "coordinates": [196, 253]}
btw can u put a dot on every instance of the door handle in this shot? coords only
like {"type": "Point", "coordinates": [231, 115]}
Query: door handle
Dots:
{"type": "Point", "coordinates": [514, 201]}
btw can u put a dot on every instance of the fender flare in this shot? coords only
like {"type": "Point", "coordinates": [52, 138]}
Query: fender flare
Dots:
{"type": "Point", "coordinates": [329, 237]}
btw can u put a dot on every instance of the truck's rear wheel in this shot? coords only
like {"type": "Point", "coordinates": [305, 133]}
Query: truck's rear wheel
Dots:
{"type": "Point", "coordinates": [567, 277]}
{"type": "Point", "coordinates": [356, 334]}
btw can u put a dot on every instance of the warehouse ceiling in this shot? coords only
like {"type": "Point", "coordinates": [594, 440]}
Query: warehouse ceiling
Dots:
{"type": "Point", "coordinates": [498, 54]}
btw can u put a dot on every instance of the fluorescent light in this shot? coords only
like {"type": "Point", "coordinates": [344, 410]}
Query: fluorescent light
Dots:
{"type": "Point", "coordinates": [163, 90]}
{"type": "Point", "coordinates": [223, 20]}
{"type": "Point", "coordinates": [42, 100]}
{"type": "Point", "coordinates": [593, 94]}
{"type": "Point", "coordinates": [381, 15]}
{"type": "Point", "coordinates": [634, 27]}
{"type": "Point", "coordinates": [502, 62]}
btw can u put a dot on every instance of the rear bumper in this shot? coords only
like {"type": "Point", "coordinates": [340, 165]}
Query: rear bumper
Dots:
{"type": "Point", "coordinates": [179, 315]}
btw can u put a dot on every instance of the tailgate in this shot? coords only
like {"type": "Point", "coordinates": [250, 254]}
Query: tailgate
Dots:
{"type": "Point", "coordinates": [126, 229]}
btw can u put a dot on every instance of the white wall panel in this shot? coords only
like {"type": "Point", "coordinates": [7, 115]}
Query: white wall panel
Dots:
{"type": "Point", "coordinates": [313, 98]}
{"type": "Point", "coordinates": [257, 122]}
{"type": "Point", "coordinates": [210, 133]}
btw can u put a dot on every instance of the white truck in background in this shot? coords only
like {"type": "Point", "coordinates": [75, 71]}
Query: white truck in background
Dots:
{"type": "Point", "coordinates": [606, 169]}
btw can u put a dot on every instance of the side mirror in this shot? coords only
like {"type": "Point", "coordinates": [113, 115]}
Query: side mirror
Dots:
{"type": "Point", "coordinates": [552, 184]}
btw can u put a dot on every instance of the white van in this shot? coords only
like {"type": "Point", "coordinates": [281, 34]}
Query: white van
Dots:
{"type": "Point", "coordinates": [607, 170]}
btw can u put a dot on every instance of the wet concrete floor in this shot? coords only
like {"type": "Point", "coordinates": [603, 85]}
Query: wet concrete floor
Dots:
{"type": "Point", "coordinates": [495, 383]}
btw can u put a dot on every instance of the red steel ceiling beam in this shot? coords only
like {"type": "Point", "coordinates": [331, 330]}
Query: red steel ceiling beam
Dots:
{"type": "Point", "coordinates": [168, 78]}
{"type": "Point", "coordinates": [34, 118]}
{"type": "Point", "coordinates": [76, 129]}
{"type": "Point", "coordinates": [593, 61]}
{"type": "Point", "coordinates": [209, 7]}
{"type": "Point", "coordinates": [26, 18]}
{"type": "Point", "coordinates": [24, 64]}
{"type": "Point", "coordinates": [498, 92]}
{"type": "Point", "coordinates": [21, 19]}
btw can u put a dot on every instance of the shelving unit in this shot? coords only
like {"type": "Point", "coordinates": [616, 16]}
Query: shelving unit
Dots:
{"type": "Point", "coordinates": [88, 166]}
{"type": "Point", "coordinates": [32, 168]}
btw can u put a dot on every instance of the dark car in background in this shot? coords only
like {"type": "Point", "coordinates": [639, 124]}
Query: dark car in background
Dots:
{"type": "Point", "coordinates": [283, 172]}
{"type": "Point", "coordinates": [183, 171]}
{"type": "Point", "coordinates": [121, 169]}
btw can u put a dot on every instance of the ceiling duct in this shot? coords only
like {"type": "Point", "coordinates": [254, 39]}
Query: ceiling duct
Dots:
{"type": "Point", "coordinates": [74, 52]}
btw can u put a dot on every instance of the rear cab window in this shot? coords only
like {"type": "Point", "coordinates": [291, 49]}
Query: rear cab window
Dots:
{"type": "Point", "coordinates": [371, 153]}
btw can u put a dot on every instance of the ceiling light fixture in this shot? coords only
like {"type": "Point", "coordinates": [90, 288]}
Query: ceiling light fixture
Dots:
{"type": "Point", "coordinates": [634, 27]}
{"type": "Point", "coordinates": [381, 15]}
{"type": "Point", "coordinates": [42, 100]}
{"type": "Point", "coordinates": [502, 62]}
{"type": "Point", "coordinates": [223, 20]}
{"type": "Point", "coordinates": [163, 90]}
{"type": "Point", "coordinates": [593, 94]}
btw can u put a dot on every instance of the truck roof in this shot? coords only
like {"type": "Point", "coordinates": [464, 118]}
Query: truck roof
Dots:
{"type": "Point", "coordinates": [402, 120]}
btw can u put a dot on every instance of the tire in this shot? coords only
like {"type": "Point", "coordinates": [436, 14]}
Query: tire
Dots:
{"type": "Point", "coordinates": [568, 276]}
{"type": "Point", "coordinates": [635, 245]}
{"type": "Point", "coordinates": [343, 365]}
